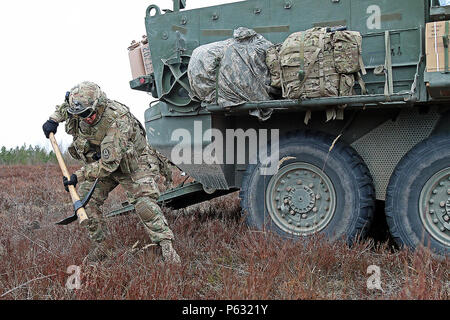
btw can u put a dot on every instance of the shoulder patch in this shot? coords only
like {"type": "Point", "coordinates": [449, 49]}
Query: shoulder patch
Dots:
{"type": "Point", "coordinates": [106, 154]}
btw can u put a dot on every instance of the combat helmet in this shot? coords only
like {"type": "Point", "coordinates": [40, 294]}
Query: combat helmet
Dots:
{"type": "Point", "coordinates": [84, 99]}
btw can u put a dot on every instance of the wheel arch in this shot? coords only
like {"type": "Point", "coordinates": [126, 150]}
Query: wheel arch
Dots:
{"type": "Point", "coordinates": [443, 125]}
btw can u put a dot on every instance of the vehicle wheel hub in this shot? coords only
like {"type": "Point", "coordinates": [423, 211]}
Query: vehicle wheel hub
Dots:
{"type": "Point", "coordinates": [301, 199]}
{"type": "Point", "coordinates": [435, 206]}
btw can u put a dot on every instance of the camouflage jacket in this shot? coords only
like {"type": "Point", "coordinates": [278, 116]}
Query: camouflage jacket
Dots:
{"type": "Point", "coordinates": [114, 142]}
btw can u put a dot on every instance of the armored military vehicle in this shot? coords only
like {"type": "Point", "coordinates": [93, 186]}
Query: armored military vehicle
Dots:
{"type": "Point", "coordinates": [392, 143]}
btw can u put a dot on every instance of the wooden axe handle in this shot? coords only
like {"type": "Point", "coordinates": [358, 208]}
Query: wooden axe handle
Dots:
{"type": "Point", "coordinates": [81, 213]}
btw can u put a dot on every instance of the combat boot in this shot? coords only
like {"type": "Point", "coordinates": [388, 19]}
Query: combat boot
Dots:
{"type": "Point", "coordinates": [168, 252]}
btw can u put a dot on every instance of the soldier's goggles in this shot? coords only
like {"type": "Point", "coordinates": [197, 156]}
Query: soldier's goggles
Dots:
{"type": "Point", "coordinates": [86, 113]}
{"type": "Point", "coordinates": [77, 106]}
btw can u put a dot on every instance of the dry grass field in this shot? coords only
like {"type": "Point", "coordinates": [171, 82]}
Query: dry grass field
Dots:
{"type": "Point", "coordinates": [222, 258]}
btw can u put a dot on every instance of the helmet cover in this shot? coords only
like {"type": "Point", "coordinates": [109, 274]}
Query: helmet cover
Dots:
{"type": "Point", "coordinates": [85, 97]}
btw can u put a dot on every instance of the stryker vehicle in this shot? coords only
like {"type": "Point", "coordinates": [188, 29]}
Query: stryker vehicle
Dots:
{"type": "Point", "coordinates": [393, 144]}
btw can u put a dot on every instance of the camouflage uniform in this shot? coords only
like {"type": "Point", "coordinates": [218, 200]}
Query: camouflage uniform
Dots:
{"type": "Point", "coordinates": [118, 139]}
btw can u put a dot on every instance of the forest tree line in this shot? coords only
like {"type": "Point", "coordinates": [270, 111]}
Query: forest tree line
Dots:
{"type": "Point", "coordinates": [26, 155]}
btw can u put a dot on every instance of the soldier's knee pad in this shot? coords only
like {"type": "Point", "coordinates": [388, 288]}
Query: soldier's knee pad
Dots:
{"type": "Point", "coordinates": [147, 209]}
{"type": "Point", "coordinates": [96, 230]}
{"type": "Point", "coordinates": [93, 209]}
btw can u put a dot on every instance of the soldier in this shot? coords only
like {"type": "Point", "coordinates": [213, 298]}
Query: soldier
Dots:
{"type": "Point", "coordinates": [112, 145]}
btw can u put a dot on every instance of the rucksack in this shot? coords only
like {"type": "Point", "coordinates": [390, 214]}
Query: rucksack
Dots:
{"type": "Point", "coordinates": [318, 63]}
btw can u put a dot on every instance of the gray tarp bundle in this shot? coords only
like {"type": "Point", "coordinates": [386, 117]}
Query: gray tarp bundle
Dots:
{"type": "Point", "coordinates": [231, 72]}
{"type": "Point", "coordinates": [202, 70]}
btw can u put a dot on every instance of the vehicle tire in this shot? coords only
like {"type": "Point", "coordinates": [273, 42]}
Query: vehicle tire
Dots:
{"type": "Point", "coordinates": [418, 197]}
{"type": "Point", "coordinates": [316, 191]}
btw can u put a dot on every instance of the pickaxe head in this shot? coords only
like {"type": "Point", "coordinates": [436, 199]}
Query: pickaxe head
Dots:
{"type": "Point", "coordinates": [78, 205]}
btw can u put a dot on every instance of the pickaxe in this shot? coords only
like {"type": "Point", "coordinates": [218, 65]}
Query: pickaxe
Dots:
{"type": "Point", "coordinates": [78, 205]}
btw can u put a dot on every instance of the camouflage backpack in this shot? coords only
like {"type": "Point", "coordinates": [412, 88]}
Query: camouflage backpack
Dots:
{"type": "Point", "coordinates": [316, 63]}
{"type": "Point", "coordinates": [348, 52]}
{"type": "Point", "coordinates": [273, 63]}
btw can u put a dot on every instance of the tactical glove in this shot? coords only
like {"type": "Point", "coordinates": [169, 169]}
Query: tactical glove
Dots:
{"type": "Point", "coordinates": [72, 182]}
{"type": "Point", "coordinates": [50, 127]}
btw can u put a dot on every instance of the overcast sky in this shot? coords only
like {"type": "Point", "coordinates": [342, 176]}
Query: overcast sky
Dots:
{"type": "Point", "coordinates": [48, 46]}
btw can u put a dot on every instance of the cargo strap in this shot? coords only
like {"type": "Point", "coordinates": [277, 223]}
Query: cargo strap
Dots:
{"type": "Point", "coordinates": [361, 83]}
{"type": "Point", "coordinates": [216, 99]}
{"type": "Point", "coordinates": [389, 84]}
{"type": "Point", "coordinates": [363, 72]}
{"type": "Point", "coordinates": [310, 67]}
{"type": "Point", "coordinates": [301, 73]}
{"type": "Point", "coordinates": [312, 63]}
{"type": "Point", "coordinates": [361, 61]}
{"type": "Point", "coordinates": [362, 66]}
{"type": "Point", "coordinates": [321, 66]}
{"type": "Point", "coordinates": [445, 38]}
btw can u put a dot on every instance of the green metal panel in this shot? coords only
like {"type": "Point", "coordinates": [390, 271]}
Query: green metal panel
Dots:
{"type": "Point", "coordinates": [161, 123]}
{"type": "Point", "coordinates": [176, 33]}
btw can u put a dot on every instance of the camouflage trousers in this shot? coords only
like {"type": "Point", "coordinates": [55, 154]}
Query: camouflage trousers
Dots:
{"type": "Point", "coordinates": [142, 192]}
